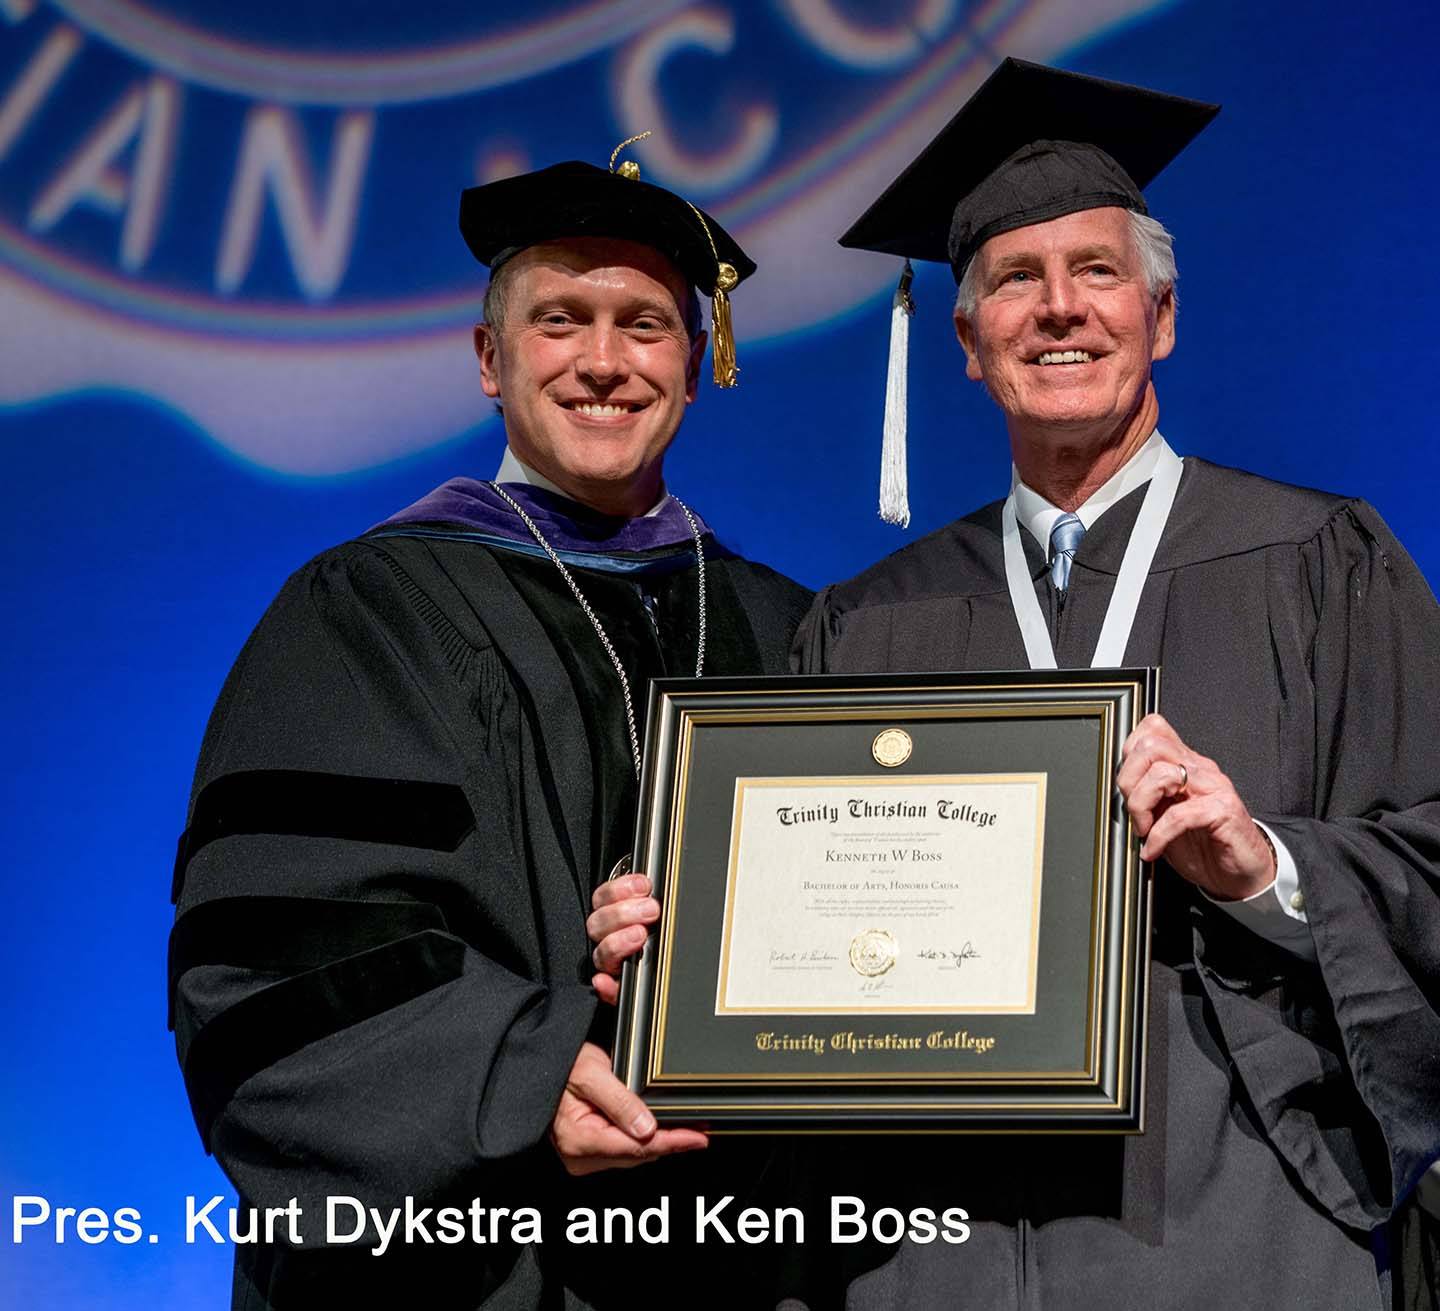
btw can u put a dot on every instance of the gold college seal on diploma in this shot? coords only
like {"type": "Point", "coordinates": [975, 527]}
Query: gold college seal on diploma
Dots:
{"type": "Point", "coordinates": [892, 747]}
{"type": "Point", "coordinates": [872, 952]}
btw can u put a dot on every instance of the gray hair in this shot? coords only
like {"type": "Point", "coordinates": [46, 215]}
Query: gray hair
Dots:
{"type": "Point", "coordinates": [1154, 244]}
{"type": "Point", "coordinates": [497, 302]}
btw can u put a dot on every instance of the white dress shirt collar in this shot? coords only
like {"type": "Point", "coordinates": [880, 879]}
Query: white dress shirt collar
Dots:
{"type": "Point", "coordinates": [512, 470]}
{"type": "Point", "coordinates": [1039, 516]}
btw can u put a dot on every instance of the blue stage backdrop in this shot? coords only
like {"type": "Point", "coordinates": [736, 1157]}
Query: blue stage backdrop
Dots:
{"type": "Point", "coordinates": [236, 315]}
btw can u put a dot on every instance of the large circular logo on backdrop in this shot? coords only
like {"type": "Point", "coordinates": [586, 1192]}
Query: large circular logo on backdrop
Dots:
{"type": "Point", "coordinates": [248, 212]}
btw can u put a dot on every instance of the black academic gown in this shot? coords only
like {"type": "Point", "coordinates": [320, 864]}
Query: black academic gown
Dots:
{"type": "Point", "coordinates": [1289, 1104]}
{"type": "Point", "coordinates": [414, 776]}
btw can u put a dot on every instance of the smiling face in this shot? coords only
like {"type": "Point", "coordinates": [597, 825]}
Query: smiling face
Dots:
{"type": "Point", "coordinates": [1065, 330]}
{"type": "Point", "coordinates": [594, 367]}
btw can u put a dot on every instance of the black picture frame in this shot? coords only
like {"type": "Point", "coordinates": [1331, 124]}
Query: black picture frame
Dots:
{"type": "Point", "coordinates": [1073, 1062]}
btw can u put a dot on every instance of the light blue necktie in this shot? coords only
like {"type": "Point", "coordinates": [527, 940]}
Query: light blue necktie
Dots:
{"type": "Point", "coordinates": [1064, 539]}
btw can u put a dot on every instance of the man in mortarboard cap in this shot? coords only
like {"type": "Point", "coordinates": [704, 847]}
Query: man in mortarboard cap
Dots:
{"type": "Point", "coordinates": [1290, 791]}
{"type": "Point", "coordinates": [423, 765]}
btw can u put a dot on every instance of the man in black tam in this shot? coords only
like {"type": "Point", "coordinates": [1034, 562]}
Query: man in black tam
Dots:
{"type": "Point", "coordinates": [1290, 792]}
{"type": "Point", "coordinates": [423, 763]}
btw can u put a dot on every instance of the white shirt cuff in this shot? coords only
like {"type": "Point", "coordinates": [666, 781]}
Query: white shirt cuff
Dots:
{"type": "Point", "coordinates": [1276, 913]}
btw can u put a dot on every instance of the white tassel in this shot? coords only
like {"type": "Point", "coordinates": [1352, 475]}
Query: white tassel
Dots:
{"type": "Point", "coordinates": [894, 485]}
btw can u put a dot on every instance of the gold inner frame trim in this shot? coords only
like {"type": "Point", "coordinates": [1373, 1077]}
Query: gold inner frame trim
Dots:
{"type": "Point", "coordinates": [882, 781]}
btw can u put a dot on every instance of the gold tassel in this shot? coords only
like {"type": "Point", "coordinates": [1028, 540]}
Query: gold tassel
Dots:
{"type": "Point", "coordinates": [723, 348]}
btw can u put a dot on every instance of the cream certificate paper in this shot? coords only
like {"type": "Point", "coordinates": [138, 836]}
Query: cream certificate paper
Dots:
{"type": "Point", "coordinates": [899, 896]}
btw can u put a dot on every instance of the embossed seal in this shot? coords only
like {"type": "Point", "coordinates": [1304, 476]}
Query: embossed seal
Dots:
{"type": "Point", "coordinates": [892, 747]}
{"type": "Point", "coordinates": [873, 952]}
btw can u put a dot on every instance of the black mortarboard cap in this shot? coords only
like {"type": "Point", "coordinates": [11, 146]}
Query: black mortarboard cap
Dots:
{"type": "Point", "coordinates": [576, 199]}
{"type": "Point", "coordinates": [1032, 144]}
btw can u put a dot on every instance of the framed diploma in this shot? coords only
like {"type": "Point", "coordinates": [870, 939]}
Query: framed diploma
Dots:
{"type": "Point", "coordinates": [890, 903]}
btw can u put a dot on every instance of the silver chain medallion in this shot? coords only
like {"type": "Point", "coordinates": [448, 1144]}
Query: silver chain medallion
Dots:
{"type": "Point", "coordinates": [595, 619]}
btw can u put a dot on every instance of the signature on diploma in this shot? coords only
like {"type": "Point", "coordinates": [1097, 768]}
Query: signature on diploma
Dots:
{"type": "Point", "coordinates": [959, 955]}
{"type": "Point", "coordinates": [810, 956]}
